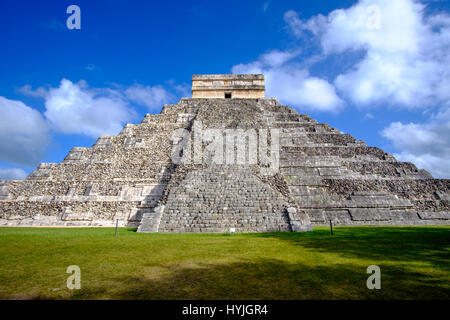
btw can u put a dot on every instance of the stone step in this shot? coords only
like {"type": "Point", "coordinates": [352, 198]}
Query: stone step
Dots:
{"type": "Point", "coordinates": [339, 151]}
{"type": "Point", "coordinates": [420, 189]}
{"type": "Point", "coordinates": [160, 118]}
{"type": "Point", "coordinates": [285, 117]}
{"type": "Point", "coordinates": [310, 162]}
{"type": "Point", "coordinates": [305, 126]}
{"type": "Point", "coordinates": [328, 202]}
{"type": "Point", "coordinates": [303, 181]}
{"type": "Point", "coordinates": [151, 220]}
{"type": "Point", "coordinates": [433, 215]}
{"type": "Point", "coordinates": [306, 191]}
{"type": "Point", "coordinates": [363, 216]}
{"type": "Point", "coordinates": [4, 190]}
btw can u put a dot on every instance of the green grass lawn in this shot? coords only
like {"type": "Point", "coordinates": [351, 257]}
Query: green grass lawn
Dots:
{"type": "Point", "coordinates": [414, 264]}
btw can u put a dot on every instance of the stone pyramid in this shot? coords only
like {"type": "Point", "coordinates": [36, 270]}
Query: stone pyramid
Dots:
{"type": "Point", "coordinates": [161, 175]}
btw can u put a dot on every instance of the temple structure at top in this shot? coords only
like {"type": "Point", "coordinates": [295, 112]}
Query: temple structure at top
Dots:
{"type": "Point", "coordinates": [228, 86]}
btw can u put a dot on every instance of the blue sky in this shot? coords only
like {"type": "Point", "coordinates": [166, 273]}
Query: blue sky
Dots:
{"type": "Point", "coordinates": [376, 69]}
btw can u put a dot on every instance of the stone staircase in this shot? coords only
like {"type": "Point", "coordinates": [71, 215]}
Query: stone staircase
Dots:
{"type": "Point", "coordinates": [220, 197]}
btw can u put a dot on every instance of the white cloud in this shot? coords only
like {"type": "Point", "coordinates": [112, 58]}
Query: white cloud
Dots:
{"type": "Point", "coordinates": [406, 60]}
{"type": "Point", "coordinates": [368, 116]}
{"type": "Point", "coordinates": [73, 108]}
{"type": "Point", "coordinates": [182, 90]}
{"type": "Point", "coordinates": [28, 91]}
{"type": "Point", "coordinates": [91, 67]}
{"type": "Point", "coordinates": [23, 133]}
{"type": "Point", "coordinates": [319, 93]}
{"type": "Point", "coordinates": [315, 25]}
{"type": "Point", "coordinates": [425, 144]}
{"type": "Point", "coordinates": [12, 174]}
{"type": "Point", "coordinates": [277, 58]}
{"type": "Point", "coordinates": [151, 97]}
{"type": "Point", "coordinates": [291, 82]}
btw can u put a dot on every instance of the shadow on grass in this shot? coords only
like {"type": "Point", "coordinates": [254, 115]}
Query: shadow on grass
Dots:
{"type": "Point", "coordinates": [267, 279]}
{"type": "Point", "coordinates": [396, 244]}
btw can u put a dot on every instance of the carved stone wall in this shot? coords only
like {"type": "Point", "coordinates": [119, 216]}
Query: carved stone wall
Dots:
{"type": "Point", "coordinates": [236, 85]}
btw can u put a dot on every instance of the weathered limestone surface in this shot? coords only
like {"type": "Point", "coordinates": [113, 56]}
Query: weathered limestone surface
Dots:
{"type": "Point", "coordinates": [220, 197]}
{"type": "Point", "coordinates": [236, 85]}
{"type": "Point", "coordinates": [323, 175]}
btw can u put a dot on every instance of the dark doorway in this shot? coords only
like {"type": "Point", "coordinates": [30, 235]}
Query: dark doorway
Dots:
{"type": "Point", "coordinates": [227, 95]}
